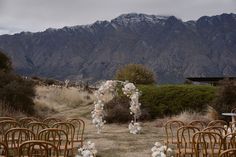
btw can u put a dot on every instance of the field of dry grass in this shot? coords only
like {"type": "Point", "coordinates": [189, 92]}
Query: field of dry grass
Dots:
{"type": "Point", "coordinates": [115, 139]}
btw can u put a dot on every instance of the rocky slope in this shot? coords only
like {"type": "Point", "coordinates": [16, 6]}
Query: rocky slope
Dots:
{"type": "Point", "coordinates": [173, 49]}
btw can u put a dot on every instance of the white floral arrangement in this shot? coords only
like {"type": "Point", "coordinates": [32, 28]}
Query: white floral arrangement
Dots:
{"type": "Point", "coordinates": [160, 150]}
{"type": "Point", "coordinates": [88, 150]}
{"type": "Point", "coordinates": [129, 90]}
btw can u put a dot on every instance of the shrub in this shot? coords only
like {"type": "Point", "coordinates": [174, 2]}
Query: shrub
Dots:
{"type": "Point", "coordinates": [225, 100]}
{"type": "Point", "coordinates": [15, 92]}
{"type": "Point", "coordinates": [170, 100]}
{"type": "Point", "coordinates": [135, 73]}
{"type": "Point", "coordinates": [5, 63]}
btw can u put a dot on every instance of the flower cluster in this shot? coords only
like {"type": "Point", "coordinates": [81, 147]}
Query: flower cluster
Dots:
{"type": "Point", "coordinates": [132, 92]}
{"type": "Point", "coordinates": [129, 90]}
{"type": "Point", "coordinates": [134, 127]}
{"type": "Point", "coordinates": [88, 150]}
{"type": "Point", "coordinates": [98, 112]}
{"type": "Point", "coordinates": [160, 150]}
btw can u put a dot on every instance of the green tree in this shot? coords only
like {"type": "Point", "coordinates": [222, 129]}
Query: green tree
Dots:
{"type": "Point", "coordinates": [5, 63]}
{"type": "Point", "coordinates": [135, 73]}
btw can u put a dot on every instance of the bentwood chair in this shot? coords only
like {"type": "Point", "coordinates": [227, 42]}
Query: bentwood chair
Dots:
{"type": "Point", "coordinates": [5, 125]}
{"type": "Point", "coordinates": [228, 153]}
{"type": "Point", "coordinates": [7, 118]}
{"type": "Point", "coordinates": [217, 123]}
{"type": "Point", "coordinates": [14, 137]}
{"type": "Point", "coordinates": [198, 123]}
{"type": "Point", "coordinates": [171, 131]}
{"type": "Point", "coordinates": [57, 137]}
{"type": "Point", "coordinates": [218, 129]}
{"type": "Point", "coordinates": [230, 140]}
{"type": "Point", "coordinates": [3, 150]}
{"type": "Point", "coordinates": [38, 148]}
{"type": "Point", "coordinates": [208, 144]}
{"type": "Point", "coordinates": [184, 138]}
{"type": "Point", "coordinates": [50, 121]}
{"type": "Point", "coordinates": [70, 131]}
{"type": "Point", "coordinates": [26, 120]}
{"type": "Point", "coordinates": [79, 130]}
{"type": "Point", "coordinates": [36, 127]}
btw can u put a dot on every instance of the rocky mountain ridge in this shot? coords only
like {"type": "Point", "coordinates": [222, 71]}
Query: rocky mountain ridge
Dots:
{"type": "Point", "coordinates": [173, 49]}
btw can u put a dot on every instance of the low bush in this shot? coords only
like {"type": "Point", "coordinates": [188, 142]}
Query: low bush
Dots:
{"type": "Point", "coordinates": [168, 100]}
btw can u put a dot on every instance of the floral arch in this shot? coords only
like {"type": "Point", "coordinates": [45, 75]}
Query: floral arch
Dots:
{"type": "Point", "coordinates": [129, 90]}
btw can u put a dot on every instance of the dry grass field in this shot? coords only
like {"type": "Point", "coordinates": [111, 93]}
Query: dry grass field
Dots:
{"type": "Point", "coordinates": [115, 139]}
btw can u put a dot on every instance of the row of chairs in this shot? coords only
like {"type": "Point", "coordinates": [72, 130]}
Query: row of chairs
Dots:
{"type": "Point", "coordinates": [13, 133]}
{"type": "Point", "coordinates": [189, 137]}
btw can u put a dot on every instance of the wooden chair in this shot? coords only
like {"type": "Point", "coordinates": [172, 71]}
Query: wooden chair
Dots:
{"type": "Point", "coordinates": [57, 137]}
{"type": "Point", "coordinates": [198, 123]}
{"type": "Point", "coordinates": [36, 127]}
{"type": "Point", "coordinates": [230, 140]}
{"type": "Point", "coordinates": [38, 148]}
{"type": "Point", "coordinates": [7, 118]}
{"type": "Point", "coordinates": [217, 123]}
{"type": "Point", "coordinates": [5, 125]}
{"type": "Point", "coordinates": [170, 129]}
{"type": "Point", "coordinates": [3, 150]}
{"type": "Point", "coordinates": [185, 143]}
{"type": "Point", "coordinates": [26, 120]}
{"type": "Point", "coordinates": [228, 153]}
{"type": "Point", "coordinates": [208, 144]}
{"type": "Point", "coordinates": [79, 130]}
{"type": "Point", "coordinates": [14, 137]}
{"type": "Point", "coordinates": [218, 129]}
{"type": "Point", "coordinates": [70, 131]}
{"type": "Point", "coordinates": [232, 126]}
{"type": "Point", "coordinates": [50, 121]}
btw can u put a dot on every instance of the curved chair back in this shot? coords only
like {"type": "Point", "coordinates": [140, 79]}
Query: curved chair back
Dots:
{"type": "Point", "coordinates": [228, 153]}
{"type": "Point", "coordinates": [217, 123]}
{"type": "Point", "coordinates": [79, 130]}
{"type": "Point", "coordinates": [198, 123]}
{"type": "Point", "coordinates": [5, 125]}
{"type": "Point", "coordinates": [171, 131]}
{"type": "Point", "coordinates": [57, 137]}
{"type": "Point", "coordinates": [7, 118]}
{"type": "Point", "coordinates": [218, 129]}
{"type": "Point", "coordinates": [36, 127]}
{"type": "Point", "coordinates": [50, 121]}
{"type": "Point", "coordinates": [26, 120]}
{"type": "Point", "coordinates": [38, 148]}
{"type": "Point", "coordinates": [184, 138]}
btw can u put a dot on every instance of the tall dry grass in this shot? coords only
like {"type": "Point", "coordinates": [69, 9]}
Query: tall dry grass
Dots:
{"type": "Point", "coordinates": [50, 100]}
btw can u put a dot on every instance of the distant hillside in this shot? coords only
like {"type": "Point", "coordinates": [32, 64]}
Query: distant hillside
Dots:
{"type": "Point", "coordinates": [173, 49]}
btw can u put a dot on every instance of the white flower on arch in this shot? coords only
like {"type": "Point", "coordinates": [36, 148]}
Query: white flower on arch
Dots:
{"type": "Point", "coordinates": [129, 90]}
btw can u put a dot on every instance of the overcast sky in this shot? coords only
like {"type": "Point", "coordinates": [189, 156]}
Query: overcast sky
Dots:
{"type": "Point", "coordinates": [37, 15]}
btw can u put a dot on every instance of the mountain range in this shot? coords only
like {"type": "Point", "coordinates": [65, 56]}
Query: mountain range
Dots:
{"type": "Point", "coordinates": [171, 48]}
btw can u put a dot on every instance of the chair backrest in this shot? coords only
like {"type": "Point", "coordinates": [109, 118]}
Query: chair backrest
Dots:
{"type": "Point", "coordinates": [208, 143]}
{"type": "Point", "coordinates": [7, 118]}
{"type": "Point", "coordinates": [79, 129]}
{"type": "Point", "coordinates": [171, 130]}
{"type": "Point", "coordinates": [3, 150]}
{"type": "Point", "coordinates": [57, 137]}
{"type": "Point", "coordinates": [198, 123]}
{"type": "Point", "coordinates": [184, 137]}
{"type": "Point", "coordinates": [228, 153]}
{"type": "Point", "coordinates": [68, 128]}
{"type": "Point", "coordinates": [36, 127]}
{"type": "Point", "coordinates": [5, 125]}
{"type": "Point", "coordinates": [232, 126]}
{"type": "Point", "coordinates": [38, 148]}
{"type": "Point", "coordinates": [14, 137]}
{"type": "Point", "coordinates": [26, 120]}
{"type": "Point", "coordinates": [50, 121]}
{"type": "Point", "coordinates": [218, 129]}
{"type": "Point", "coordinates": [230, 140]}
{"type": "Point", "coordinates": [217, 123]}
